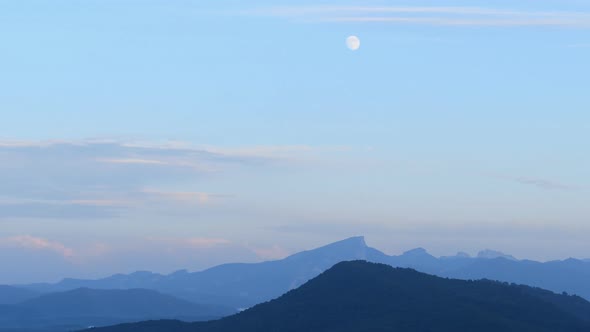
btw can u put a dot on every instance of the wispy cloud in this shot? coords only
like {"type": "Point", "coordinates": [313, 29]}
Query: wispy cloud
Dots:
{"type": "Point", "coordinates": [188, 163]}
{"type": "Point", "coordinates": [106, 178]}
{"type": "Point", "coordinates": [266, 151]}
{"type": "Point", "coordinates": [544, 184]}
{"type": "Point", "coordinates": [201, 242]}
{"type": "Point", "coordinates": [186, 197]}
{"type": "Point", "coordinates": [579, 45]}
{"type": "Point", "coordinates": [36, 243]}
{"type": "Point", "coordinates": [134, 161]}
{"type": "Point", "coordinates": [191, 242]}
{"type": "Point", "coordinates": [68, 209]}
{"type": "Point", "coordinates": [540, 183]}
{"type": "Point", "coordinates": [271, 253]}
{"type": "Point", "coordinates": [427, 15]}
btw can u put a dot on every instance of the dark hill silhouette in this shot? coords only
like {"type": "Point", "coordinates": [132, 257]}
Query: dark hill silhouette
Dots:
{"type": "Point", "coordinates": [360, 296]}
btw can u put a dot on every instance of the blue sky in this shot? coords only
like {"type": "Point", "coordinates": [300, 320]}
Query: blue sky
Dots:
{"type": "Point", "coordinates": [180, 134]}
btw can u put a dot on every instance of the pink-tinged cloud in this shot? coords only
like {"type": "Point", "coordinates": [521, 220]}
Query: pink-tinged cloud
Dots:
{"type": "Point", "coordinates": [37, 243]}
{"type": "Point", "coordinates": [192, 242]}
{"type": "Point", "coordinates": [188, 162]}
{"type": "Point", "coordinates": [202, 198]}
{"type": "Point", "coordinates": [201, 242]}
{"type": "Point", "coordinates": [269, 151]}
{"type": "Point", "coordinates": [274, 252]}
{"type": "Point", "coordinates": [133, 161]}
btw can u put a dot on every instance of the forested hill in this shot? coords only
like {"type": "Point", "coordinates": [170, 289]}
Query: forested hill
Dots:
{"type": "Point", "coordinates": [360, 296]}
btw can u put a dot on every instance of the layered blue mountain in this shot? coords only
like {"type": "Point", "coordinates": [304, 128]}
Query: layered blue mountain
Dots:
{"type": "Point", "coordinates": [237, 285]}
{"type": "Point", "coordinates": [12, 295]}
{"type": "Point", "coordinates": [358, 296]}
{"type": "Point", "coordinates": [83, 307]}
{"type": "Point", "coordinates": [244, 285]}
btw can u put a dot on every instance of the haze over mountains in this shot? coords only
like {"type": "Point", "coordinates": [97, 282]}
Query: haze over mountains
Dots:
{"type": "Point", "coordinates": [360, 296]}
{"type": "Point", "coordinates": [82, 307]}
{"type": "Point", "coordinates": [12, 295]}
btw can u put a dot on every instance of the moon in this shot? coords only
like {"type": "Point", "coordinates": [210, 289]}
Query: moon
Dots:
{"type": "Point", "coordinates": [353, 43]}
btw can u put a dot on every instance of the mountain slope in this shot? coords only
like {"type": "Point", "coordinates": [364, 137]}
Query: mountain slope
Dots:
{"type": "Point", "coordinates": [570, 275]}
{"type": "Point", "coordinates": [119, 303]}
{"type": "Point", "coordinates": [248, 284]}
{"type": "Point", "coordinates": [12, 295]}
{"type": "Point", "coordinates": [139, 279]}
{"type": "Point", "coordinates": [89, 307]}
{"type": "Point", "coordinates": [360, 296]}
{"type": "Point", "coordinates": [236, 285]}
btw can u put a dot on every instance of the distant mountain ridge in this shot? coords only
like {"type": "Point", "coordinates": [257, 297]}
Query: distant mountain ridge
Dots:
{"type": "Point", "coordinates": [84, 307]}
{"type": "Point", "coordinates": [491, 254]}
{"type": "Point", "coordinates": [12, 295]}
{"type": "Point", "coordinates": [244, 285]}
{"type": "Point", "coordinates": [358, 296]}
{"type": "Point", "coordinates": [138, 303]}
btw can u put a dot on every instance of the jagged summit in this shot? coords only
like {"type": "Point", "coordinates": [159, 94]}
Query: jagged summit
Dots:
{"type": "Point", "coordinates": [182, 272]}
{"type": "Point", "coordinates": [462, 254]}
{"type": "Point", "coordinates": [353, 247]}
{"type": "Point", "coordinates": [417, 252]}
{"type": "Point", "coordinates": [358, 241]}
{"type": "Point", "coordinates": [459, 255]}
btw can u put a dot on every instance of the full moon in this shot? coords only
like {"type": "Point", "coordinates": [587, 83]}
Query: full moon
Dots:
{"type": "Point", "coordinates": [353, 43]}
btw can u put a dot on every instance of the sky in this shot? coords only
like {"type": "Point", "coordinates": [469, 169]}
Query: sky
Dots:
{"type": "Point", "coordinates": [170, 134]}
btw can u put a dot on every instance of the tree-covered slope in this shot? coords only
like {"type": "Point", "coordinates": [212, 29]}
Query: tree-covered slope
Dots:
{"type": "Point", "coordinates": [359, 296]}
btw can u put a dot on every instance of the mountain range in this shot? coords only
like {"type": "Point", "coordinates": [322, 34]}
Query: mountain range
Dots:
{"type": "Point", "coordinates": [361, 297]}
{"type": "Point", "coordinates": [12, 295]}
{"type": "Point", "coordinates": [244, 285]}
{"type": "Point", "coordinates": [225, 289]}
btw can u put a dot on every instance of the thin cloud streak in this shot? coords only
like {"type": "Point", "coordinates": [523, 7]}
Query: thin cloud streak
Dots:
{"type": "Point", "coordinates": [465, 22]}
{"type": "Point", "coordinates": [544, 184]}
{"type": "Point", "coordinates": [59, 211]}
{"type": "Point", "coordinates": [438, 16]}
{"type": "Point", "coordinates": [398, 9]}
{"type": "Point", "coordinates": [202, 198]}
{"type": "Point", "coordinates": [540, 183]}
{"type": "Point", "coordinates": [133, 161]}
{"type": "Point", "coordinates": [191, 242]}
